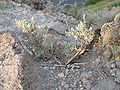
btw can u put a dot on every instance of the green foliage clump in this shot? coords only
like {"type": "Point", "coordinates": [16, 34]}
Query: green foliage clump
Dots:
{"type": "Point", "coordinates": [27, 26]}
{"type": "Point", "coordinates": [30, 35]}
{"type": "Point", "coordinates": [74, 10]}
{"type": "Point", "coordinates": [82, 32]}
{"type": "Point", "coordinates": [89, 2]}
{"type": "Point", "coordinates": [115, 4]}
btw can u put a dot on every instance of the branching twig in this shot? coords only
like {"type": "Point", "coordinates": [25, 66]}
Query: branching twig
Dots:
{"type": "Point", "coordinates": [79, 51]}
{"type": "Point", "coordinates": [57, 61]}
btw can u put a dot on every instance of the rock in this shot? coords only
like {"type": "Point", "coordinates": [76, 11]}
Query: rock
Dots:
{"type": "Point", "coordinates": [11, 62]}
{"type": "Point", "coordinates": [107, 53]}
{"type": "Point", "coordinates": [117, 79]}
{"type": "Point", "coordinates": [97, 61]}
{"type": "Point", "coordinates": [66, 86]}
{"type": "Point", "coordinates": [113, 65]}
{"type": "Point", "coordinates": [15, 65]}
{"type": "Point", "coordinates": [110, 32]}
{"type": "Point", "coordinates": [117, 17]}
{"type": "Point", "coordinates": [0, 62]}
{"type": "Point", "coordinates": [86, 75]}
{"type": "Point", "coordinates": [59, 27]}
{"type": "Point", "coordinates": [93, 88]}
{"type": "Point", "coordinates": [113, 72]}
{"type": "Point", "coordinates": [105, 84]}
{"type": "Point", "coordinates": [86, 83]}
{"type": "Point", "coordinates": [118, 63]}
{"type": "Point", "coordinates": [61, 75]}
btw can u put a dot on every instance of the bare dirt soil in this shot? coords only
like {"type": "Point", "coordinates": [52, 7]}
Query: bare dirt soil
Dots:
{"type": "Point", "coordinates": [19, 71]}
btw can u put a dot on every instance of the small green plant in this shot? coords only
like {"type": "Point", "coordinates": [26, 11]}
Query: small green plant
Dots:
{"type": "Point", "coordinates": [29, 27]}
{"type": "Point", "coordinates": [33, 39]}
{"type": "Point", "coordinates": [82, 31]}
{"type": "Point", "coordinates": [74, 10]}
{"type": "Point", "coordinates": [89, 2]}
{"type": "Point", "coordinates": [115, 4]}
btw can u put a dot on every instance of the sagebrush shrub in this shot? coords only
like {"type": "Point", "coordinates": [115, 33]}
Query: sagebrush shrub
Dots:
{"type": "Point", "coordinates": [82, 31]}
{"type": "Point", "coordinates": [47, 45]}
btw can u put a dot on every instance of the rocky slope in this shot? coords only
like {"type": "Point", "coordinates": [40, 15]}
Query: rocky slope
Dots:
{"type": "Point", "coordinates": [21, 71]}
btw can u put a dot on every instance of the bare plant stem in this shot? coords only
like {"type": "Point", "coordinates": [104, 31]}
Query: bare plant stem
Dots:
{"type": "Point", "coordinates": [80, 51]}
{"type": "Point", "coordinates": [57, 61]}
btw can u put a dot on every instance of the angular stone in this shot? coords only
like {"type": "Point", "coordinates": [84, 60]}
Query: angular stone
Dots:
{"type": "Point", "coordinates": [117, 79]}
{"type": "Point", "coordinates": [58, 27]}
{"type": "Point", "coordinates": [117, 17]}
{"type": "Point", "coordinates": [111, 32]}
{"type": "Point", "coordinates": [118, 63]}
{"type": "Point", "coordinates": [106, 84]}
{"type": "Point", "coordinates": [61, 75]}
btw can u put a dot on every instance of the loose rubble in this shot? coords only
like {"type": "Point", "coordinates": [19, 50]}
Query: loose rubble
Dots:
{"type": "Point", "coordinates": [21, 71]}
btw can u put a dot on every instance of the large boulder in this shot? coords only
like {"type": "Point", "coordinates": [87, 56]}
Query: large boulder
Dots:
{"type": "Point", "coordinates": [110, 32]}
{"type": "Point", "coordinates": [97, 19]}
{"type": "Point", "coordinates": [10, 63]}
{"type": "Point", "coordinates": [16, 67]}
{"type": "Point", "coordinates": [59, 27]}
{"type": "Point", "coordinates": [109, 42]}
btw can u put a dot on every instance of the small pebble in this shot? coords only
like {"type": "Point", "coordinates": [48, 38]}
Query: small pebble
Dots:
{"type": "Point", "coordinates": [66, 86]}
{"type": "Point", "coordinates": [61, 75]}
{"type": "Point", "coordinates": [112, 72]}
{"type": "Point", "coordinates": [63, 83]}
{"type": "Point", "coordinates": [1, 66]}
{"type": "Point", "coordinates": [97, 61]}
{"type": "Point", "coordinates": [81, 88]}
{"type": "Point", "coordinates": [46, 68]}
{"type": "Point", "coordinates": [81, 85]}
{"type": "Point", "coordinates": [0, 62]}
{"type": "Point", "coordinates": [113, 65]}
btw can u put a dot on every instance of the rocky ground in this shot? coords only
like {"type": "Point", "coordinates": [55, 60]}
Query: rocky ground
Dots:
{"type": "Point", "coordinates": [93, 70]}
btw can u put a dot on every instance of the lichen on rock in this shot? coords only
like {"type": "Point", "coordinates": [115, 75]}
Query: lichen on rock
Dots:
{"type": "Point", "coordinates": [110, 32]}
